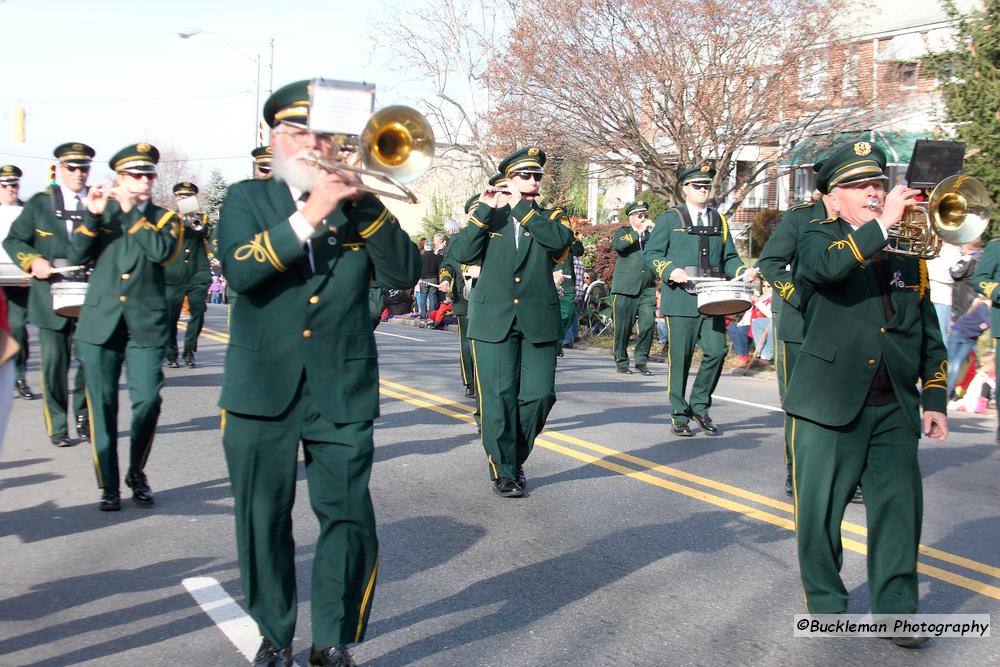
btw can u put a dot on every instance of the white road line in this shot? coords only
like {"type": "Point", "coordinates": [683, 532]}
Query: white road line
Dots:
{"type": "Point", "coordinates": [386, 333]}
{"type": "Point", "coordinates": [772, 408]}
{"type": "Point", "coordinates": [238, 628]}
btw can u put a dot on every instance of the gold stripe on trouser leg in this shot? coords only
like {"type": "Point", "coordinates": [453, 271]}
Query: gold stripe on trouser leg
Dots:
{"type": "Point", "coordinates": [795, 503]}
{"type": "Point", "coordinates": [222, 421]}
{"type": "Point", "coordinates": [461, 355]}
{"type": "Point", "coordinates": [45, 392]}
{"type": "Point", "coordinates": [366, 600]}
{"type": "Point", "coordinates": [479, 401]}
{"type": "Point", "coordinates": [669, 368]}
{"type": "Point", "coordinates": [93, 439]}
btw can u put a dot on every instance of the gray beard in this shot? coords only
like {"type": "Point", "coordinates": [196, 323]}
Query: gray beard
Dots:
{"type": "Point", "coordinates": [294, 172]}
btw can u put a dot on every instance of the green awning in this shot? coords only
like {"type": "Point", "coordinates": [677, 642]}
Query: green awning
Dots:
{"type": "Point", "coordinates": [898, 146]}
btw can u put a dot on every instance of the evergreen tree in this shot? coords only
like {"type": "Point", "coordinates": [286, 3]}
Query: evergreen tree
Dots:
{"type": "Point", "coordinates": [213, 193]}
{"type": "Point", "coordinates": [437, 212]}
{"type": "Point", "coordinates": [970, 76]}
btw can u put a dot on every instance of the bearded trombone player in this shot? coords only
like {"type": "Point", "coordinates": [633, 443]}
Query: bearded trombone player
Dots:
{"type": "Point", "coordinates": [301, 367]}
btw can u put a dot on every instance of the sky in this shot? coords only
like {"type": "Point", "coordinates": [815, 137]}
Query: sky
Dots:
{"type": "Point", "coordinates": [111, 73]}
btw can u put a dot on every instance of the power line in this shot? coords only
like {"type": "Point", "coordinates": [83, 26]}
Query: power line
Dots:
{"type": "Point", "coordinates": [171, 98]}
{"type": "Point", "coordinates": [164, 161]}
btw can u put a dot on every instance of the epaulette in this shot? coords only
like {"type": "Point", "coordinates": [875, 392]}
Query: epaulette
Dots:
{"type": "Point", "coordinates": [822, 221]}
{"type": "Point", "coordinates": [796, 207]}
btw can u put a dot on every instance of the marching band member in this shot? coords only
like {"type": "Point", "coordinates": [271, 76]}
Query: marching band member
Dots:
{"type": "Point", "coordinates": [124, 316]}
{"type": "Point", "coordinates": [262, 157]}
{"type": "Point", "coordinates": [693, 237]}
{"type": "Point", "coordinates": [634, 288]}
{"type": "Point", "coordinates": [565, 276]}
{"type": "Point", "coordinates": [40, 239]}
{"type": "Point", "coordinates": [17, 297]}
{"type": "Point", "coordinates": [187, 274]}
{"type": "Point", "coordinates": [871, 333]}
{"type": "Point", "coordinates": [453, 277]}
{"type": "Point", "coordinates": [985, 280]}
{"type": "Point", "coordinates": [302, 366]}
{"type": "Point", "coordinates": [514, 314]}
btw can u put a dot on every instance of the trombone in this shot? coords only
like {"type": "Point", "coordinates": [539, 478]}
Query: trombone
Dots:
{"type": "Point", "coordinates": [957, 212]}
{"type": "Point", "coordinates": [396, 147]}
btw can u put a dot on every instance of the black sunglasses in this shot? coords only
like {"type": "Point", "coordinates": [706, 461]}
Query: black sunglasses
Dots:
{"type": "Point", "coordinates": [700, 186]}
{"type": "Point", "coordinates": [71, 168]}
{"type": "Point", "coordinates": [530, 175]}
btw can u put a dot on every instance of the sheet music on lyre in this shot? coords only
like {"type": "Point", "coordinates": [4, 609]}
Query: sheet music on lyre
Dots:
{"type": "Point", "coordinates": [340, 107]}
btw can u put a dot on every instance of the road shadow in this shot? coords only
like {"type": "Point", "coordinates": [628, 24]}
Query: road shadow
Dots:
{"type": "Point", "coordinates": [194, 425]}
{"type": "Point", "coordinates": [173, 377]}
{"type": "Point", "coordinates": [28, 480]}
{"type": "Point", "coordinates": [425, 447]}
{"type": "Point", "coordinates": [38, 523]}
{"type": "Point", "coordinates": [21, 463]}
{"type": "Point", "coordinates": [511, 601]}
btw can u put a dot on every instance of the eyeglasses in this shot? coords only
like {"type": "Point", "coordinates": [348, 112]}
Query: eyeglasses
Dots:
{"type": "Point", "coordinates": [139, 177]}
{"type": "Point", "coordinates": [641, 216]}
{"type": "Point", "coordinates": [700, 186]}
{"type": "Point", "coordinates": [299, 137]}
{"type": "Point", "coordinates": [10, 186]}
{"type": "Point", "coordinates": [73, 168]}
{"type": "Point", "coordinates": [529, 175]}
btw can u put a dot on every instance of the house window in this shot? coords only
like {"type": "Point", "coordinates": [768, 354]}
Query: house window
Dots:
{"type": "Point", "coordinates": [746, 173]}
{"type": "Point", "coordinates": [812, 75]}
{"type": "Point", "coordinates": [906, 74]}
{"type": "Point", "coordinates": [805, 183]}
{"type": "Point", "coordinates": [852, 63]}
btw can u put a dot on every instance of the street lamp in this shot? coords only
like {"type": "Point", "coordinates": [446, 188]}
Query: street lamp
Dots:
{"type": "Point", "coordinates": [192, 32]}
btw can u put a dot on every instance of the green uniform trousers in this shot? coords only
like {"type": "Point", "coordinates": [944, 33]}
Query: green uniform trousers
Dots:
{"type": "Point", "coordinates": [102, 366]}
{"type": "Point", "coordinates": [516, 386]}
{"type": "Point", "coordinates": [785, 355]}
{"type": "Point", "coordinates": [196, 294]}
{"type": "Point", "coordinates": [262, 456]}
{"type": "Point", "coordinates": [54, 348]}
{"type": "Point", "coordinates": [465, 352]}
{"type": "Point", "coordinates": [17, 317]}
{"type": "Point", "coordinates": [625, 310]}
{"type": "Point", "coordinates": [567, 310]}
{"type": "Point", "coordinates": [683, 333]}
{"type": "Point", "coordinates": [879, 450]}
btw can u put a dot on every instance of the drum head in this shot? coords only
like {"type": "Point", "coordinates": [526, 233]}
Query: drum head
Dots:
{"type": "Point", "coordinates": [724, 307]}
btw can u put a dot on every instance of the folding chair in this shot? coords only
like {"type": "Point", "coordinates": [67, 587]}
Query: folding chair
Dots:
{"type": "Point", "coordinates": [597, 309]}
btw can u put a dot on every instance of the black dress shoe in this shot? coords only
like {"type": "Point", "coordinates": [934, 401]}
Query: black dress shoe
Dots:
{"type": "Point", "coordinates": [505, 487]}
{"type": "Point", "coordinates": [172, 363]}
{"type": "Point", "coordinates": [519, 477]}
{"type": "Point", "coordinates": [23, 390]}
{"type": "Point", "coordinates": [189, 359]}
{"type": "Point", "coordinates": [642, 369]}
{"type": "Point", "coordinates": [625, 370]}
{"type": "Point", "coordinates": [269, 656]}
{"type": "Point", "coordinates": [681, 429]}
{"type": "Point", "coordinates": [83, 428]}
{"type": "Point", "coordinates": [60, 440]}
{"type": "Point", "coordinates": [706, 424]}
{"type": "Point", "coordinates": [111, 501]}
{"type": "Point", "coordinates": [909, 642]}
{"type": "Point", "coordinates": [330, 656]}
{"type": "Point", "coordinates": [789, 489]}
{"type": "Point", "coordinates": [141, 493]}
{"type": "Point", "coordinates": [560, 352]}
{"type": "Point", "coordinates": [859, 497]}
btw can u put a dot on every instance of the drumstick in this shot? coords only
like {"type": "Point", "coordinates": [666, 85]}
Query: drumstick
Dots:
{"type": "Point", "coordinates": [67, 269]}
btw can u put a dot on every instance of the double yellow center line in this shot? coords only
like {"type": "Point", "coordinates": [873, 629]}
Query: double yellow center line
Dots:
{"type": "Point", "coordinates": [704, 489]}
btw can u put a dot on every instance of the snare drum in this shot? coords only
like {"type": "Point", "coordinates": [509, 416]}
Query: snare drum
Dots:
{"type": "Point", "coordinates": [724, 297]}
{"type": "Point", "coordinates": [12, 276]}
{"type": "Point", "coordinates": [68, 297]}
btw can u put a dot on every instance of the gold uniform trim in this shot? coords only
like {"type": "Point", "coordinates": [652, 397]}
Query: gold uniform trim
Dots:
{"type": "Point", "coordinates": [725, 228]}
{"type": "Point", "coordinates": [80, 229]}
{"type": "Point", "coordinates": [477, 222]}
{"type": "Point", "coordinates": [353, 246]}
{"type": "Point", "coordinates": [260, 250]}
{"type": "Point", "coordinates": [366, 600]}
{"type": "Point", "coordinates": [375, 225]}
{"type": "Point", "coordinates": [659, 266]}
{"type": "Point", "coordinates": [532, 213]}
{"type": "Point", "coordinates": [24, 259]}
{"type": "Point", "coordinates": [785, 290]}
{"type": "Point", "coordinates": [988, 289]}
{"type": "Point", "coordinates": [850, 245]}
{"type": "Point", "coordinates": [43, 233]}
{"type": "Point", "coordinates": [858, 171]}
{"type": "Point", "coordinates": [940, 379]}
{"type": "Point", "coordinates": [141, 223]}
{"type": "Point", "coordinates": [164, 219]}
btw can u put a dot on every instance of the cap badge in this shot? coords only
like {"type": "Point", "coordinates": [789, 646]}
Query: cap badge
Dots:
{"type": "Point", "coordinates": [77, 147]}
{"type": "Point", "coordinates": [532, 151]}
{"type": "Point", "coordinates": [705, 168]}
{"type": "Point", "coordinates": [142, 148]}
{"type": "Point", "coordinates": [862, 148]}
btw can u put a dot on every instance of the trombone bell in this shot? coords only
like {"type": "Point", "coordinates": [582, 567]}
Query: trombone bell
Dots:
{"type": "Point", "coordinates": [957, 212]}
{"type": "Point", "coordinates": [399, 142]}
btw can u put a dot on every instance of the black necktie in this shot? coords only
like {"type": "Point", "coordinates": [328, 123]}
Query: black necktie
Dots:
{"type": "Point", "coordinates": [701, 220]}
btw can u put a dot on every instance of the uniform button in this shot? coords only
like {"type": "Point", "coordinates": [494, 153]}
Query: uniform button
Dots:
{"type": "Point", "coordinates": [871, 362]}
{"type": "Point", "coordinates": [123, 298]}
{"type": "Point", "coordinates": [881, 329]}
{"type": "Point", "coordinates": [187, 249]}
{"type": "Point", "coordinates": [307, 334]}
{"type": "Point", "coordinates": [517, 279]}
{"type": "Point", "coordinates": [516, 301]}
{"type": "Point", "coordinates": [126, 276]}
{"type": "Point", "coordinates": [314, 299]}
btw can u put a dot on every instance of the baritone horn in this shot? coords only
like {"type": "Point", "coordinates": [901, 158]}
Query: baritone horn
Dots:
{"type": "Point", "coordinates": [395, 147]}
{"type": "Point", "coordinates": [957, 212]}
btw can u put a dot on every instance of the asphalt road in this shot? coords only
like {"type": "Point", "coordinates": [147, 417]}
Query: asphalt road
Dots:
{"type": "Point", "coordinates": [631, 548]}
